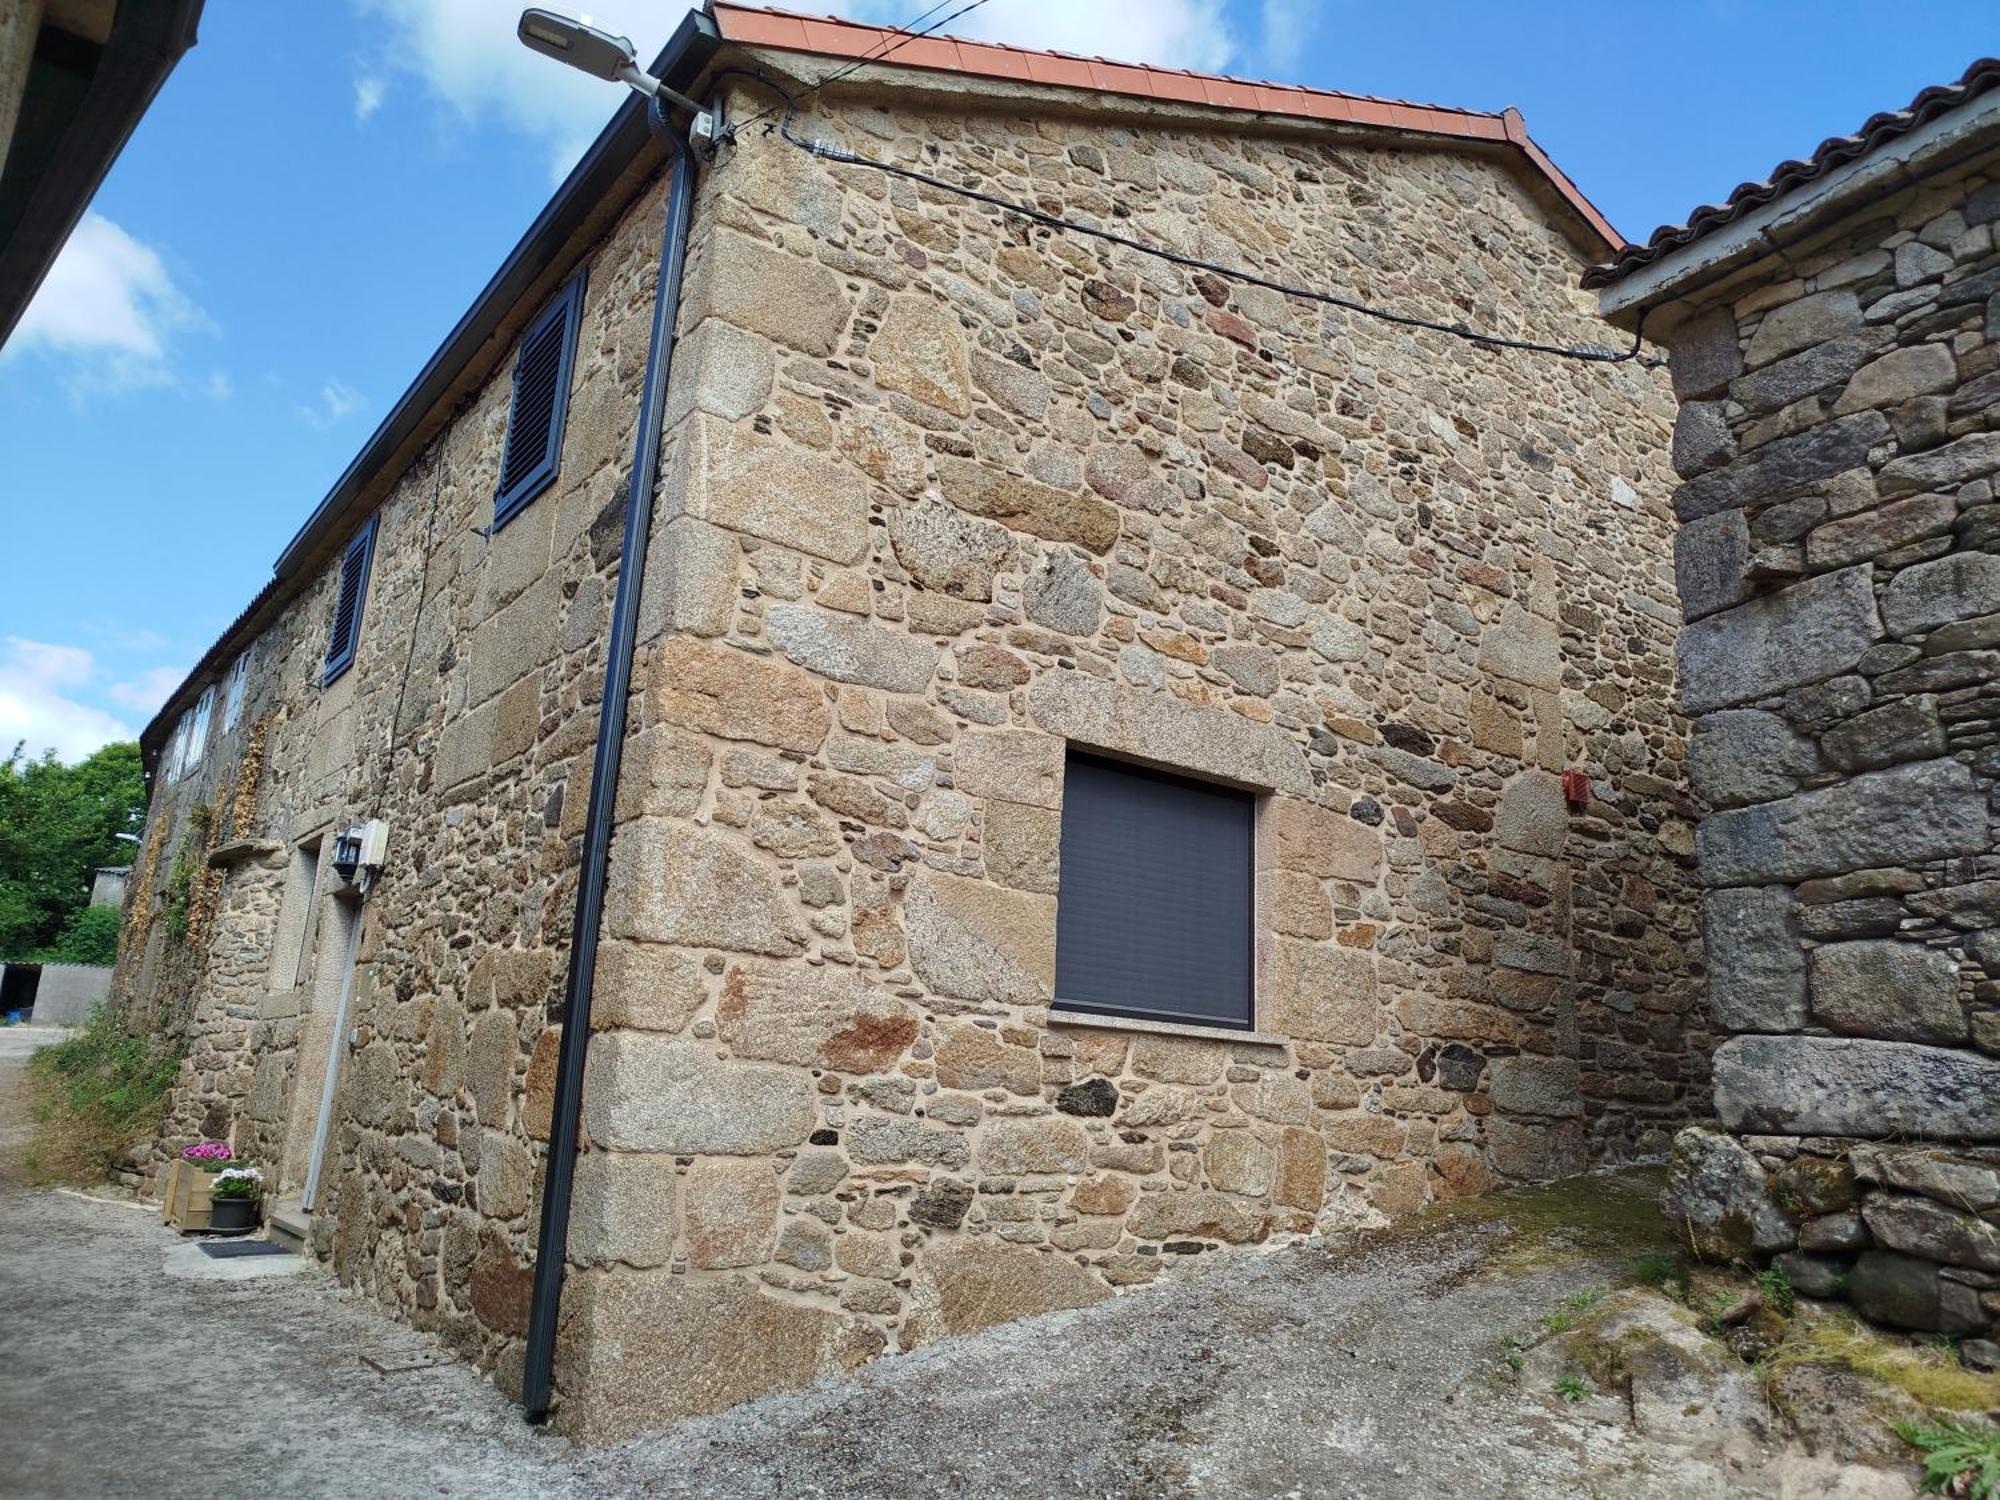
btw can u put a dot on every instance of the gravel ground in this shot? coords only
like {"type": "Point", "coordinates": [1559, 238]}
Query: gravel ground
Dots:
{"type": "Point", "coordinates": [1307, 1372]}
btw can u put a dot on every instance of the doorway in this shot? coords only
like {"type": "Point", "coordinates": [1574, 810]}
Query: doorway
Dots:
{"type": "Point", "coordinates": [335, 928]}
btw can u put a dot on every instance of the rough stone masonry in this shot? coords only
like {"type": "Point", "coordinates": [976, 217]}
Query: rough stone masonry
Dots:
{"type": "Point", "coordinates": [1838, 562]}
{"type": "Point", "coordinates": [951, 496]}
{"type": "Point", "coordinates": [943, 495]}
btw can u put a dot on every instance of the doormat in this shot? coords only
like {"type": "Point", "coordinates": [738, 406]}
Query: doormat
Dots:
{"type": "Point", "coordinates": [230, 1249]}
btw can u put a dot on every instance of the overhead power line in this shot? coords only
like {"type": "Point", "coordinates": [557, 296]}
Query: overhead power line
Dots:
{"type": "Point", "coordinates": [899, 37]}
{"type": "Point", "coordinates": [1588, 353]}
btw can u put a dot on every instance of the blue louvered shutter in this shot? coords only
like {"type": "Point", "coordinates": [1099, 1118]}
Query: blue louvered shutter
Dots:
{"type": "Point", "coordinates": [1156, 896]}
{"type": "Point", "coordinates": [353, 593]}
{"type": "Point", "coordinates": [533, 453]}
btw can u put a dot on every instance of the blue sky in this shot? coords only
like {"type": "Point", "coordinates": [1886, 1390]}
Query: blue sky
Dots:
{"type": "Point", "coordinates": [321, 189]}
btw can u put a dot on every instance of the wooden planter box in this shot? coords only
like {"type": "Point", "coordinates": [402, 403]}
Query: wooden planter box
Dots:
{"type": "Point", "coordinates": [186, 1207]}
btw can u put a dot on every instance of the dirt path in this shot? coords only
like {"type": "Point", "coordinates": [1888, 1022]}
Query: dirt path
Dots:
{"type": "Point", "coordinates": [17, 1044]}
{"type": "Point", "coordinates": [1376, 1372]}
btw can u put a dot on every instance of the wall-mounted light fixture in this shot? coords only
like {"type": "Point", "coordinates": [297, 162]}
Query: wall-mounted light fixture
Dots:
{"type": "Point", "coordinates": [359, 851]}
{"type": "Point", "coordinates": [601, 55]}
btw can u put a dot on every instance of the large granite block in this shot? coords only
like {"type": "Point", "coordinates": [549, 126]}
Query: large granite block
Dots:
{"type": "Point", "coordinates": [1817, 1085]}
{"type": "Point", "coordinates": [1927, 810]}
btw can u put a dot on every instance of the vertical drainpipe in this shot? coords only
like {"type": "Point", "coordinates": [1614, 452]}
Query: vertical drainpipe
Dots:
{"type": "Point", "coordinates": [552, 1239]}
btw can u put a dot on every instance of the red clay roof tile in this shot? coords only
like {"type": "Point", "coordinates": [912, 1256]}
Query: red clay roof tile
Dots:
{"type": "Point", "coordinates": [834, 37]}
{"type": "Point", "coordinates": [1834, 152]}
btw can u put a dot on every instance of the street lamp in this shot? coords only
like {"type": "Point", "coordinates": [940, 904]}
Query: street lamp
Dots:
{"type": "Point", "coordinates": [601, 55]}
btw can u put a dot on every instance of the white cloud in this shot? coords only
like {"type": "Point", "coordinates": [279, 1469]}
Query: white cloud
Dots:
{"type": "Point", "coordinates": [337, 400]}
{"type": "Point", "coordinates": [1285, 30]}
{"type": "Point", "coordinates": [1171, 33]}
{"type": "Point", "coordinates": [38, 703]}
{"type": "Point", "coordinates": [464, 54]}
{"type": "Point", "coordinates": [113, 635]}
{"type": "Point", "coordinates": [110, 309]}
{"type": "Point", "coordinates": [145, 692]}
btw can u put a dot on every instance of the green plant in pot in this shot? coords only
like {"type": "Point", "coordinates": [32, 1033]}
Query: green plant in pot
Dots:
{"type": "Point", "coordinates": [233, 1197]}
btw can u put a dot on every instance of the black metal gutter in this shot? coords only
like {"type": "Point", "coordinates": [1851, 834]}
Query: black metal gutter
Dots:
{"type": "Point", "coordinates": [552, 1239]}
{"type": "Point", "coordinates": [43, 195]}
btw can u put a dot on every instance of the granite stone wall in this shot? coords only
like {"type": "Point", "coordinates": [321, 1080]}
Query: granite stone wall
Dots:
{"type": "Point", "coordinates": [473, 692]}
{"type": "Point", "coordinates": [1838, 561]}
{"type": "Point", "coordinates": [946, 493]}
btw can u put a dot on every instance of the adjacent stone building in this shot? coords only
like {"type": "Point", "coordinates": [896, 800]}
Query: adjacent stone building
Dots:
{"type": "Point", "coordinates": [992, 569]}
{"type": "Point", "coordinates": [1836, 350]}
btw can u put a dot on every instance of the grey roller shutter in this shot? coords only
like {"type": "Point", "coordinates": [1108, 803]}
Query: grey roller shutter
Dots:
{"type": "Point", "coordinates": [1155, 908]}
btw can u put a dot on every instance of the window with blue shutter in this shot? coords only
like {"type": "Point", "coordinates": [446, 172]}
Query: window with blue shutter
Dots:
{"type": "Point", "coordinates": [533, 453]}
{"type": "Point", "coordinates": [1156, 896]}
{"type": "Point", "coordinates": [347, 604]}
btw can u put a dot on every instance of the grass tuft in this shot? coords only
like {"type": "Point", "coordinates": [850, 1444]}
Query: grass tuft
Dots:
{"type": "Point", "coordinates": [1929, 1375]}
{"type": "Point", "coordinates": [1663, 1270]}
{"type": "Point", "coordinates": [1572, 1308]}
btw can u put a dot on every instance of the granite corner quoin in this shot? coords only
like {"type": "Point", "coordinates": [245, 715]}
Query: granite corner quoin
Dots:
{"type": "Point", "coordinates": [942, 496]}
{"type": "Point", "coordinates": [1838, 560]}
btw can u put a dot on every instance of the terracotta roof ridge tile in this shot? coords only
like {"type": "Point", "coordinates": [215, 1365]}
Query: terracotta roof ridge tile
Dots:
{"type": "Point", "coordinates": [838, 36]}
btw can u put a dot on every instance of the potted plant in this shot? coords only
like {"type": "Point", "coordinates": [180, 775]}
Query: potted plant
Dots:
{"type": "Point", "coordinates": [188, 1183]}
{"type": "Point", "coordinates": [233, 1197]}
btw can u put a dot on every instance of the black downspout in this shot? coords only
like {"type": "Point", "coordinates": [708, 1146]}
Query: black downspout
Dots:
{"type": "Point", "coordinates": [552, 1240]}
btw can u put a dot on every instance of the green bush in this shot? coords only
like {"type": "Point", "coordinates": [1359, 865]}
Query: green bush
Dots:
{"type": "Point", "coordinates": [89, 937]}
{"type": "Point", "coordinates": [95, 1094]}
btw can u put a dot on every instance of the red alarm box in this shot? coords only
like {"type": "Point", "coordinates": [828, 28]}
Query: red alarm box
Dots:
{"type": "Point", "coordinates": [1576, 789]}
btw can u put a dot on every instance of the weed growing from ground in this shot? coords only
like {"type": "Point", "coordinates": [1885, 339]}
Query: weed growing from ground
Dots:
{"type": "Point", "coordinates": [1564, 1318]}
{"type": "Point", "coordinates": [1960, 1458]}
{"type": "Point", "coordinates": [1662, 1270]}
{"type": "Point", "coordinates": [1572, 1388]}
{"type": "Point", "coordinates": [1776, 1286]}
{"type": "Point", "coordinates": [94, 1094]}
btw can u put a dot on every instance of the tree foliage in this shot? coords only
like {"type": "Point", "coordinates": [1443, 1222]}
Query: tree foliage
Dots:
{"type": "Point", "coordinates": [58, 824]}
{"type": "Point", "coordinates": [89, 937]}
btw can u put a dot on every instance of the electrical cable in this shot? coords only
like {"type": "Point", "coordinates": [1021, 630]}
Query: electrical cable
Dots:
{"type": "Point", "coordinates": [871, 55]}
{"type": "Point", "coordinates": [1588, 353]}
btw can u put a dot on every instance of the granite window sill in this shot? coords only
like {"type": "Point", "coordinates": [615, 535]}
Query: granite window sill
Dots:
{"type": "Point", "coordinates": [1095, 1022]}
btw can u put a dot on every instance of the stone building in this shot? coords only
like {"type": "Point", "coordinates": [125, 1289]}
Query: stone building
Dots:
{"type": "Point", "coordinates": [1835, 337]}
{"type": "Point", "coordinates": [993, 573]}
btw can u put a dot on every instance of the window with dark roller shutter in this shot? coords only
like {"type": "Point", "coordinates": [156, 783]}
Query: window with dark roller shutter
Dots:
{"type": "Point", "coordinates": [1154, 912]}
{"type": "Point", "coordinates": [347, 603]}
{"type": "Point", "coordinates": [533, 453]}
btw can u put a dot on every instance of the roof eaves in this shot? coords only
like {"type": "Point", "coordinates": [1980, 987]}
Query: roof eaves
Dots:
{"type": "Point", "coordinates": [617, 146]}
{"type": "Point", "coordinates": [1788, 178]}
{"type": "Point", "coordinates": [148, 38]}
